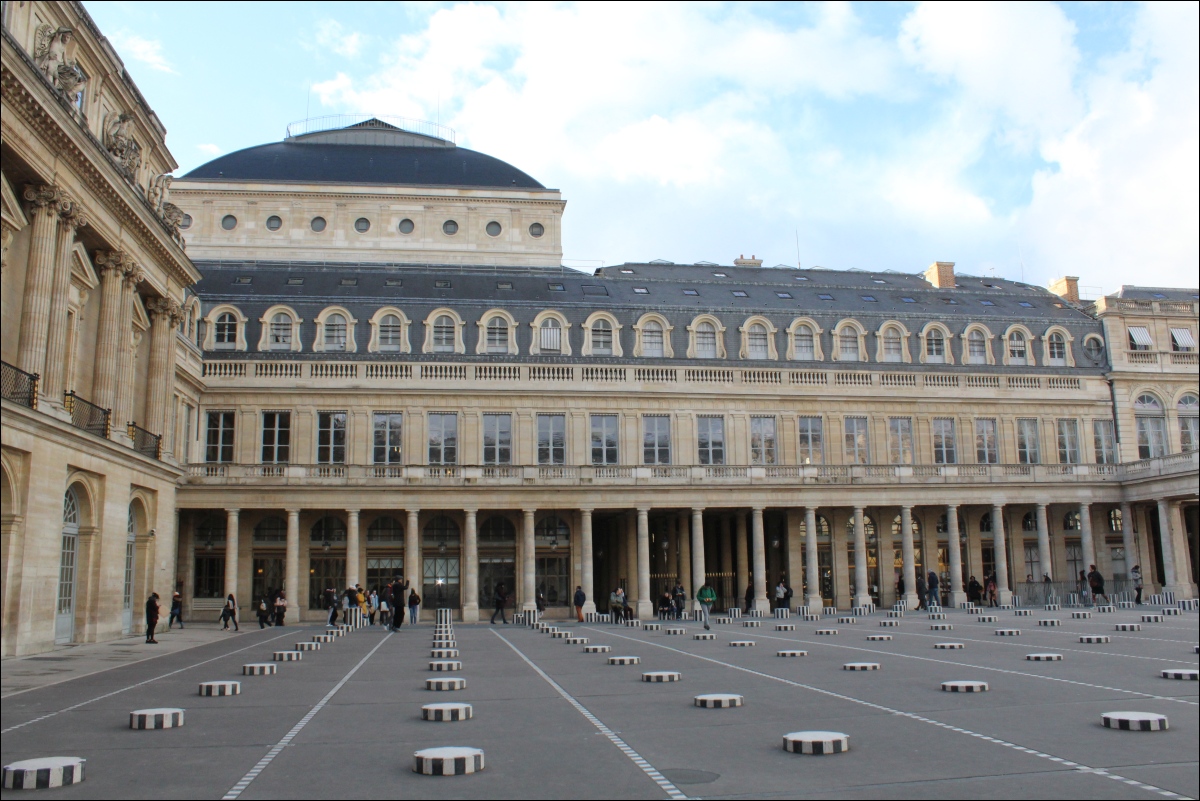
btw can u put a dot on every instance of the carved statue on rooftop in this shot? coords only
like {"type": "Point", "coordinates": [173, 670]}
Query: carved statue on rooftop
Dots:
{"type": "Point", "coordinates": [54, 53]}
{"type": "Point", "coordinates": [159, 192]}
{"type": "Point", "coordinates": [120, 142]}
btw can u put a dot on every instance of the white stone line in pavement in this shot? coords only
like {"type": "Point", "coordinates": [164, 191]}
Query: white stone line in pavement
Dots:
{"type": "Point", "coordinates": [1026, 645]}
{"type": "Point", "coordinates": [1076, 766]}
{"type": "Point", "coordinates": [134, 686]}
{"type": "Point", "coordinates": [242, 784]}
{"type": "Point", "coordinates": [1130, 637]}
{"type": "Point", "coordinates": [670, 789]}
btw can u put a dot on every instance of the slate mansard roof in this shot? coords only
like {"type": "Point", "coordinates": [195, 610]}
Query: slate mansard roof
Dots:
{"type": "Point", "coordinates": [419, 289]}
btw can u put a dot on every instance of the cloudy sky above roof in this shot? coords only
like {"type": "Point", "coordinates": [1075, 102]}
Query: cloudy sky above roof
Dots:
{"type": "Point", "coordinates": [1023, 140]}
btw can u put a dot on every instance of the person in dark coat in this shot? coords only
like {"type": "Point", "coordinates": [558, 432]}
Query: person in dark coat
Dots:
{"type": "Point", "coordinates": [265, 612]}
{"type": "Point", "coordinates": [579, 600]}
{"type": "Point", "coordinates": [499, 601]}
{"type": "Point", "coordinates": [280, 608]}
{"type": "Point", "coordinates": [1096, 583]}
{"type": "Point", "coordinates": [749, 597]}
{"type": "Point", "coordinates": [931, 590]}
{"type": "Point", "coordinates": [229, 612]}
{"type": "Point", "coordinates": [679, 596]}
{"type": "Point", "coordinates": [921, 602]}
{"type": "Point", "coordinates": [176, 610]}
{"type": "Point", "coordinates": [152, 610]}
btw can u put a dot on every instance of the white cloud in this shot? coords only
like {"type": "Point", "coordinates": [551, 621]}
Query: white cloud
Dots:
{"type": "Point", "coordinates": [144, 51]}
{"type": "Point", "coordinates": [332, 36]}
{"type": "Point", "coordinates": [210, 150]}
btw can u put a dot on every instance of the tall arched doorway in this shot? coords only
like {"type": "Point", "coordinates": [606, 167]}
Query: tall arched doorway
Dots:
{"type": "Point", "coordinates": [130, 561]}
{"type": "Point", "coordinates": [64, 612]}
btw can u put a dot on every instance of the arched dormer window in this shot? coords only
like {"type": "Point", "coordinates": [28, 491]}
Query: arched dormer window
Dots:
{"type": "Point", "coordinates": [706, 341]}
{"type": "Point", "coordinates": [935, 347]}
{"type": "Point", "coordinates": [893, 345]}
{"type": "Point", "coordinates": [1018, 348]}
{"type": "Point", "coordinates": [497, 335]}
{"type": "Point", "coordinates": [443, 332]}
{"type": "Point", "coordinates": [602, 338]}
{"type": "Point", "coordinates": [335, 331]}
{"type": "Point", "coordinates": [280, 330]}
{"type": "Point", "coordinates": [224, 328]}
{"type": "Point", "coordinates": [225, 333]}
{"type": "Point", "coordinates": [977, 350]}
{"type": "Point", "coordinates": [756, 341]}
{"type": "Point", "coordinates": [652, 339]}
{"type": "Point", "coordinates": [550, 336]}
{"type": "Point", "coordinates": [602, 335]}
{"type": "Point", "coordinates": [847, 341]}
{"type": "Point", "coordinates": [804, 341]}
{"type": "Point", "coordinates": [390, 334]}
{"type": "Point", "coordinates": [1056, 350]}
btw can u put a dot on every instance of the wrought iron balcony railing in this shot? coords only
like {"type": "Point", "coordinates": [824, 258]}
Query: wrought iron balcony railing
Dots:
{"type": "Point", "coordinates": [144, 442]}
{"type": "Point", "coordinates": [87, 415]}
{"type": "Point", "coordinates": [19, 386]}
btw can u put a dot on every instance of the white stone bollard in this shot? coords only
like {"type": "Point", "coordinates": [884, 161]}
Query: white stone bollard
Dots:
{"type": "Point", "coordinates": [785, 626]}
{"type": "Point", "coordinates": [1044, 657]}
{"type": "Point", "coordinates": [577, 641]}
{"type": "Point", "coordinates": [861, 666]}
{"type": "Point", "coordinates": [662, 675]}
{"type": "Point", "coordinates": [890, 624]}
{"type": "Point", "coordinates": [217, 688]}
{"type": "Point", "coordinates": [718, 701]}
{"type": "Point", "coordinates": [675, 630]}
{"type": "Point", "coordinates": [307, 646]}
{"type": "Point", "coordinates": [988, 619]}
{"type": "Point", "coordinates": [445, 685]}
{"type": "Point", "coordinates": [447, 712]}
{"type": "Point", "coordinates": [941, 627]}
{"type": "Point", "coordinates": [259, 669]}
{"type": "Point", "coordinates": [1050, 622]}
{"type": "Point", "coordinates": [1008, 632]}
{"type": "Point", "coordinates": [451, 761]}
{"type": "Point", "coordinates": [1152, 618]}
{"type": "Point", "coordinates": [964, 686]}
{"type": "Point", "coordinates": [816, 743]}
{"type": "Point", "coordinates": [44, 773]}
{"type": "Point", "coordinates": [752, 624]}
{"type": "Point", "coordinates": [1134, 721]}
{"type": "Point", "coordinates": [161, 718]}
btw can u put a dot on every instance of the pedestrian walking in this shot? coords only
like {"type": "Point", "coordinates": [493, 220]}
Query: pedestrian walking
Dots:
{"type": "Point", "coordinates": [1136, 576]}
{"type": "Point", "coordinates": [152, 610]}
{"type": "Point", "coordinates": [679, 596]}
{"type": "Point", "coordinates": [1081, 585]}
{"type": "Point", "coordinates": [280, 608]}
{"type": "Point", "coordinates": [706, 596]}
{"type": "Point", "coordinates": [539, 602]}
{"type": "Point", "coordinates": [781, 594]}
{"type": "Point", "coordinates": [749, 598]}
{"type": "Point", "coordinates": [991, 591]}
{"type": "Point", "coordinates": [500, 600]}
{"type": "Point", "coordinates": [176, 610]}
{"type": "Point", "coordinates": [414, 607]}
{"type": "Point", "coordinates": [933, 597]}
{"type": "Point", "coordinates": [229, 613]}
{"type": "Point", "coordinates": [385, 607]}
{"type": "Point", "coordinates": [1096, 585]}
{"type": "Point", "coordinates": [580, 599]}
{"type": "Point", "coordinates": [1048, 587]}
{"type": "Point", "coordinates": [974, 591]}
{"type": "Point", "coordinates": [265, 612]}
{"type": "Point", "coordinates": [921, 588]}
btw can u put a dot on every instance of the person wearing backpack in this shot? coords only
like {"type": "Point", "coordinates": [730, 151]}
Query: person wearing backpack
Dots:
{"type": "Point", "coordinates": [229, 612]}
{"type": "Point", "coordinates": [707, 596]}
{"type": "Point", "coordinates": [264, 613]}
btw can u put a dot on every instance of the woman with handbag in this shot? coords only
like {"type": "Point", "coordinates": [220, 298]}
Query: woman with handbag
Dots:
{"type": "Point", "coordinates": [229, 612]}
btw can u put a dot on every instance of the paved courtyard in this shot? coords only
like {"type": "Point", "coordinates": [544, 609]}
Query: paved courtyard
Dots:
{"type": "Point", "coordinates": [555, 722]}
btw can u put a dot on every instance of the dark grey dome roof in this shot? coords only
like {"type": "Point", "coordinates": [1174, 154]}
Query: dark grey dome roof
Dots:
{"type": "Point", "coordinates": [325, 162]}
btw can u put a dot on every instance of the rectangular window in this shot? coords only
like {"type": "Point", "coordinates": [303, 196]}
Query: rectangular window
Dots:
{"type": "Point", "coordinates": [1068, 442]}
{"type": "Point", "coordinates": [604, 439]}
{"type": "Point", "coordinates": [652, 340]}
{"type": "Point", "coordinates": [706, 341]}
{"type": "Point", "coordinates": [1105, 441]}
{"type": "Point", "coordinates": [602, 339]}
{"type": "Point", "coordinates": [856, 441]}
{"type": "Point", "coordinates": [1033, 562]}
{"type": "Point", "coordinates": [656, 439]}
{"type": "Point", "coordinates": [1029, 449]}
{"type": "Point", "coordinates": [186, 450]}
{"type": "Point", "coordinates": [276, 437]}
{"type": "Point", "coordinates": [1187, 434]}
{"type": "Point", "coordinates": [710, 439]}
{"type": "Point", "coordinates": [388, 429]}
{"type": "Point", "coordinates": [812, 441]}
{"type": "Point", "coordinates": [806, 347]}
{"type": "Point", "coordinates": [1139, 338]}
{"type": "Point", "coordinates": [987, 449]}
{"type": "Point", "coordinates": [497, 439]}
{"type": "Point", "coordinates": [1182, 340]}
{"type": "Point", "coordinates": [281, 333]}
{"type": "Point", "coordinates": [551, 337]}
{"type": "Point", "coordinates": [331, 437]}
{"type": "Point", "coordinates": [220, 438]}
{"type": "Point", "coordinates": [208, 576]}
{"type": "Point", "coordinates": [945, 446]}
{"type": "Point", "coordinates": [443, 438]}
{"type": "Point", "coordinates": [552, 439]}
{"type": "Point", "coordinates": [900, 440]}
{"type": "Point", "coordinates": [1152, 437]}
{"type": "Point", "coordinates": [762, 440]}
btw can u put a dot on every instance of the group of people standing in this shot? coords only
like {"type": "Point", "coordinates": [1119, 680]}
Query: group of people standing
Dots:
{"type": "Point", "coordinates": [388, 602]}
{"type": "Point", "coordinates": [928, 589]}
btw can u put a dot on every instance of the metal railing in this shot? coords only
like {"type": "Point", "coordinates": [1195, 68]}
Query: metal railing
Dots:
{"type": "Point", "coordinates": [87, 415]}
{"type": "Point", "coordinates": [334, 122]}
{"type": "Point", "coordinates": [144, 442]}
{"type": "Point", "coordinates": [19, 386]}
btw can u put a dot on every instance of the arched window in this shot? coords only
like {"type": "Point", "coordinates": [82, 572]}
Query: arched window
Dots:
{"type": "Point", "coordinates": [497, 530]}
{"type": "Point", "coordinates": [551, 532]}
{"type": "Point", "coordinates": [281, 332]}
{"type": "Point", "coordinates": [1116, 521]}
{"type": "Point", "coordinates": [868, 529]}
{"type": "Point", "coordinates": [1189, 423]}
{"type": "Point", "coordinates": [935, 347]}
{"type": "Point", "coordinates": [443, 334]}
{"type": "Point", "coordinates": [328, 529]}
{"type": "Point", "coordinates": [497, 335]}
{"type": "Point", "coordinates": [1071, 521]}
{"type": "Point", "coordinates": [1029, 522]}
{"type": "Point", "coordinates": [652, 339]}
{"type": "Point", "coordinates": [335, 333]}
{"type": "Point", "coordinates": [225, 332]}
{"type": "Point", "coordinates": [442, 533]}
{"type": "Point", "coordinates": [706, 341]}
{"type": "Point", "coordinates": [390, 333]}
{"type": "Point", "coordinates": [976, 347]}
{"type": "Point", "coordinates": [985, 523]}
{"type": "Point", "coordinates": [898, 527]}
{"type": "Point", "coordinates": [385, 529]}
{"type": "Point", "coordinates": [806, 347]}
{"type": "Point", "coordinates": [1056, 350]}
{"type": "Point", "coordinates": [1151, 426]}
{"type": "Point", "coordinates": [210, 531]}
{"type": "Point", "coordinates": [757, 341]}
{"type": "Point", "coordinates": [270, 531]}
{"type": "Point", "coordinates": [602, 338]}
{"type": "Point", "coordinates": [64, 623]}
{"type": "Point", "coordinates": [893, 345]}
{"type": "Point", "coordinates": [1017, 348]}
{"type": "Point", "coordinates": [550, 336]}
{"type": "Point", "coordinates": [848, 345]}
{"type": "Point", "coordinates": [130, 559]}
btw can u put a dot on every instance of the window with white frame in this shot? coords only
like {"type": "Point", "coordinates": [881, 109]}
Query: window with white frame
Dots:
{"type": "Point", "coordinates": [900, 440]}
{"type": "Point", "coordinates": [1151, 427]}
{"type": "Point", "coordinates": [1056, 349]}
{"type": "Point", "coordinates": [388, 434]}
{"type": "Point", "coordinates": [605, 439]}
{"type": "Point", "coordinates": [935, 346]}
{"type": "Point", "coordinates": [550, 336]}
{"type": "Point", "coordinates": [497, 335]}
{"type": "Point", "coordinates": [1029, 449]}
{"type": "Point", "coordinates": [656, 439]}
{"type": "Point", "coordinates": [710, 440]}
{"type": "Point", "coordinates": [602, 338]}
{"type": "Point", "coordinates": [219, 438]}
{"type": "Point", "coordinates": [280, 336]}
{"type": "Point", "coordinates": [552, 439]}
{"type": "Point", "coordinates": [976, 347]}
{"type": "Point", "coordinates": [1188, 408]}
{"type": "Point", "coordinates": [390, 333]}
{"type": "Point", "coordinates": [652, 339]}
{"type": "Point", "coordinates": [276, 437]}
{"type": "Point", "coordinates": [811, 447]}
{"type": "Point", "coordinates": [443, 438]}
{"type": "Point", "coordinates": [331, 437]}
{"type": "Point", "coordinates": [225, 332]}
{"type": "Point", "coordinates": [706, 341]}
{"type": "Point", "coordinates": [762, 440]}
{"type": "Point", "coordinates": [806, 346]}
{"type": "Point", "coordinates": [335, 333]}
{"type": "Point", "coordinates": [945, 444]}
{"type": "Point", "coordinates": [497, 439]}
{"type": "Point", "coordinates": [1068, 441]}
{"type": "Point", "coordinates": [987, 447]}
{"type": "Point", "coordinates": [893, 345]}
{"type": "Point", "coordinates": [1104, 440]}
{"type": "Point", "coordinates": [848, 345]}
{"type": "Point", "coordinates": [757, 341]}
{"type": "Point", "coordinates": [856, 440]}
{"type": "Point", "coordinates": [443, 334]}
{"type": "Point", "coordinates": [1017, 348]}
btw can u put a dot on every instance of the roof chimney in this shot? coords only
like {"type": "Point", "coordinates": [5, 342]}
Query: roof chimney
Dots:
{"type": "Point", "coordinates": [941, 274]}
{"type": "Point", "coordinates": [742, 261]}
{"type": "Point", "coordinates": [1066, 288]}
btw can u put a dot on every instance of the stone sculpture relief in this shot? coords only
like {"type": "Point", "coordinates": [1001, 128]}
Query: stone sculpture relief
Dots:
{"type": "Point", "coordinates": [159, 192]}
{"type": "Point", "coordinates": [54, 53]}
{"type": "Point", "coordinates": [120, 142]}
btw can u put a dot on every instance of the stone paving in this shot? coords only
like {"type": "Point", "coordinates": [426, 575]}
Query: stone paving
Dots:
{"type": "Point", "coordinates": [553, 721]}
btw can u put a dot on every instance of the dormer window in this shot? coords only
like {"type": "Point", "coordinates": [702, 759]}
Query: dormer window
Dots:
{"type": "Point", "coordinates": [225, 335]}
{"type": "Point", "coordinates": [497, 335]}
{"type": "Point", "coordinates": [390, 332]}
{"type": "Point", "coordinates": [935, 347]}
{"type": "Point", "coordinates": [706, 341]}
{"type": "Point", "coordinates": [806, 349]}
{"type": "Point", "coordinates": [757, 342]}
{"type": "Point", "coordinates": [848, 345]}
{"type": "Point", "coordinates": [550, 336]}
{"type": "Point", "coordinates": [281, 332]}
{"type": "Point", "coordinates": [893, 345]}
{"type": "Point", "coordinates": [652, 339]}
{"type": "Point", "coordinates": [335, 333]}
{"type": "Point", "coordinates": [976, 347]}
{"type": "Point", "coordinates": [443, 334]}
{"type": "Point", "coordinates": [1056, 346]}
{"type": "Point", "coordinates": [602, 338]}
{"type": "Point", "coordinates": [1017, 348]}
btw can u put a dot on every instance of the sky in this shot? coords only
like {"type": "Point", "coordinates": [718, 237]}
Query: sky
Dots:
{"type": "Point", "coordinates": [1023, 140]}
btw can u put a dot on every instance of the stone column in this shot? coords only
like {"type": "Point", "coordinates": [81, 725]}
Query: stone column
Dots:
{"type": "Point", "coordinates": [1183, 561]}
{"type": "Point", "coordinates": [760, 560]}
{"type": "Point", "coordinates": [164, 315]}
{"type": "Point", "coordinates": [631, 557]}
{"type": "Point", "coordinates": [957, 596]}
{"type": "Point", "coordinates": [1087, 543]}
{"type": "Point", "coordinates": [910, 565]}
{"type": "Point", "coordinates": [231, 551]}
{"type": "Point", "coordinates": [685, 554]}
{"type": "Point", "coordinates": [698, 572]}
{"type": "Point", "coordinates": [742, 577]}
{"type": "Point", "coordinates": [645, 606]}
{"type": "Point", "coordinates": [587, 578]}
{"type": "Point", "coordinates": [123, 406]}
{"type": "Point", "coordinates": [413, 568]}
{"type": "Point", "coordinates": [862, 585]}
{"type": "Point", "coordinates": [291, 565]}
{"type": "Point", "coordinates": [529, 563]}
{"type": "Point", "coordinates": [111, 267]}
{"type": "Point", "coordinates": [1043, 538]}
{"type": "Point", "coordinates": [1128, 539]}
{"type": "Point", "coordinates": [1000, 553]}
{"type": "Point", "coordinates": [45, 203]}
{"type": "Point", "coordinates": [470, 575]}
{"type": "Point", "coordinates": [54, 378]}
{"type": "Point", "coordinates": [352, 548]}
{"type": "Point", "coordinates": [726, 545]}
{"type": "Point", "coordinates": [813, 600]}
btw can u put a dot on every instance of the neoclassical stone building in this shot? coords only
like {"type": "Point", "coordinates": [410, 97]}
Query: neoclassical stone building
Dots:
{"type": "Point", "coordinates": [377, 367]}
